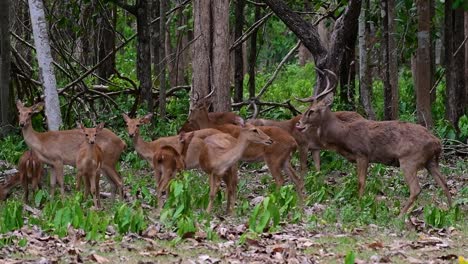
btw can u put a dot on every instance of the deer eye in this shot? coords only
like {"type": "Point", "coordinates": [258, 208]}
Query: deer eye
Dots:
{"type": "Point", "coordinates": [29, 113]}
{"type": "Point", "coordinates": [87, 135]}
{"type": "Point", "coordinates": [138, 125]}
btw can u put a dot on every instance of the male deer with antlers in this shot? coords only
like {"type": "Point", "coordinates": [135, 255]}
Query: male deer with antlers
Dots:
{"type": "Point", "coordinates": [57, 148]}
{"type": "Point", "coordinates": [395, 143]}
{"type": "Point", "coordinates": [219, 157]}
{"type": "Point", "coordinates": [89, 162]}
{"type": "Point", "coordinates": [277, 155]}
{"type": "Point", "coordinates": [30, 170]}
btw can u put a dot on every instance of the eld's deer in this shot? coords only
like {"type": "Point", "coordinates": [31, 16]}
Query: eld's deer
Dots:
{"type": "Point", "coordinates": [89, 162]}
{"type": "Point", "coordinates": [395, 143]}
{"type": "Point", "coordinates": [305, 142]}
{"type": "Point", "coordinates": [218, 118]}
{"type": "Point", "coordinates": [30, 171]}
{"type": "Point", "coordinates": [168, 161]}
{"type": "Point", "coordinates": [57, 148]}
{"type": "Point", "coordinates": [219, 158]}
{"type": "Point", "coordinates": [277, 155]}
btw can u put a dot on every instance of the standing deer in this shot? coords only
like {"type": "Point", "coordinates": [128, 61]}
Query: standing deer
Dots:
{"type": "Point", "coordinates": [218, 118]}
{"type": "Point", "coordinates": [30, 170]}
{"type": "Point", "coordinates": [277, 155]}
{"type": "Point", "coordinates": [89, 162]}
{"type": "Point", "coordinates": [57, 148]}
{"type": "Point", "coordinates": [394, 143]}
{"type": "Point", "coordinates": [219, 157]}
{"type": "Point", "coordinates": [305, 142]}
{"type": "Point", "coordinates": [168, 161]}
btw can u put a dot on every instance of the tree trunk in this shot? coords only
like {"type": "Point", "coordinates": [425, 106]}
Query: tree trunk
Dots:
{"type": "Point", "coordinates": [201, 48]}
{"type": "Point", "coordinates": [155, 42]}
{"type": "Point", "coordinates": [144, 53]}
{"type": "Point", "coordinates": [106, 39]}
{"type": "Point", "coordinates": [304, 54]}
{"type": "Point", "coordinates": [466, 63]}
{"type": "Point", "coordinates": [44, 57]}
{"type": "Point", "coordinates": [348, 72]}
{"type": "Point", "coordinates": [238, 53]}
{"type": "Point", "coordinates": [253, 55]}
{"type": "Point", "coordinates": [162, 56]}
{"type": "Point", "coordinates": [423, 69]}
{"type": "Point", "coordinates": [390, 77]}
{"type": "Point", "coordinates": [5, 97]}
{"type": "Point", "coordinates": [365, 77]}
{"type": "Point", "coordinates": [433, 50]}
{"type": "Point", "coordinates": [220, 58]}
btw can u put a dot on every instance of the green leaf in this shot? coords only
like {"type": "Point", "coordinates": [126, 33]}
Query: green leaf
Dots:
{"type": "Point", "coordinates": [264, 220]}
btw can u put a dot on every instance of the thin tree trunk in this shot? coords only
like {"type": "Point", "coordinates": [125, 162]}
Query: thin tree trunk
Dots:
{"type": "Point", "coordinates": [144, 53]}
{"type": "Point", "coordinates": [5, 97]}
{"type": "Point", "coordinates": [106, 40]}
{"type": "Point", "coordinates": [44, 57]}
{"type": "Point", "coordinates": [155, 42]}
{"type": "Point", "coordinates": [423, 69]}
{"type": "Point", "coordinates": [253, 55]}
{"type": "Point", "coordinates": [348, 71]}
{"type": "Point", "coordinates": [304, 54]}
{"type": "Point", "coordinates": [162, 56]}
{"type": "Point", "coordinates": [466, 63]}
{"type": "Point", "coordinates": [433, 52]}
{"type": "Point", "coordinates": [220, 58]}
{"type": "Point", "coordinates": [201, 48]}
{"type": "Point", "coordinates": [238, 53]}
{"type": "Point", "coordinates": [365, 77]}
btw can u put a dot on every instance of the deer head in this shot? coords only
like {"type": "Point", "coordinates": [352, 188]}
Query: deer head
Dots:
{"type": "Point", "coordinates": [91, 133]}
{"type": "Point", "coordinates": [25, 113]}
{"type": "Point", "coordinates": [133, 125]}
{"type": "Point", "coordinates": [314, 115]}
{"type": "Point", "coordinates": [255, 135]}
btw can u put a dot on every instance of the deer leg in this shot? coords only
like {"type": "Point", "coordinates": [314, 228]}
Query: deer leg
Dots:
{"type": "Point", "coordinates": [231, 179]}
{"type": "Point", "coordinates": [316, 157]}
{"type": "Point", "coordinates": [98, 189]}
{"type": "Point", "coordinates": [59, 174]}
{"type": "Point", "coordinates": [116, 180]}
{"type": "Point", "coordinates": [303, 151]}
{"type": "Point", "coordinates": [214, 185]}
{"type": "Point", "coordinates": [409, 171]}
{"type": "Point", "coordinates": [433, 168]}
{"type": "Point", "coordinates": [24, 182]}
{"type": "Point", "coordinates": [87, 184]}
{"type": "Point", "coordinates": [362, 164]}
{"type": "Point", "coordinates": [275, 170]}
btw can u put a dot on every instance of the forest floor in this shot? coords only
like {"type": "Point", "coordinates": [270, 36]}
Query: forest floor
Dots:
{"type": "Point", "coordinates": [320, 240]}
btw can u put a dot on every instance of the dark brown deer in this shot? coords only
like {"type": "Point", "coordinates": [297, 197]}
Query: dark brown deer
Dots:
{"type": "Point", "coordinates": [305, 142]}
{"type": "Point", "coordinates": [394, 143]}
{"type": "Point", "coordinates": [277, 155]}
{"type": "Point", "coordinates": [30, 171]}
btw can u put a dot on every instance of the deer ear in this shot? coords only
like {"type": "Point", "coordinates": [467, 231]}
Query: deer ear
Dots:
{"type": "Point", "coordinates": [147, 118]}
{"type": "Point", "coordinates": [328, 99]}
{"type": "Point", "coordinates": [100, 126]}
{"type": "Point", "coordinates": [19, 104]}
{"type": "Point", "coordinates": [80, 125]}
{"type": "Point", "coordinates": [38, 107]}
{"type": "Point", "coordinates": [182, 136]}
{"type": "Point", "coordinates": [125, 117]}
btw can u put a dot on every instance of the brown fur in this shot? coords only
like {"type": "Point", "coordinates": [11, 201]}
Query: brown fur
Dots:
{"type": "Point", "coordinates": [219, 157]}
{"type": "Point", "coordinates": [277, 155]}
{"type": "Point", "coordinates": [395, 143]}
{"type": "Point", "coordinates": [305, 142]}
{"type": "Point", "coordinates": [30, 171]}
{"type": "Point", "coordinates": [58, 148]}
{"type": "Point", "coordinates": [89, 163]}
{"type": "Point", "coordinates": [218, 118]}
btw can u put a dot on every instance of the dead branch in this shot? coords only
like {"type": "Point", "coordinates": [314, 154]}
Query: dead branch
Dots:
{"type": "Point", "coordinates": [250, 31]}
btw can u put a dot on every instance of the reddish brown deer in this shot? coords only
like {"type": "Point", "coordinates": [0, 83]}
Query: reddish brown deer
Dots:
{"type": "Point", "coordinates": [168, 161]}
{"type": "Point", "coordinates": [395, 143]}
{"type": "Point", "coordinates": [30, 171]}
{"type": "Point", "coordinates": [277, 155]}
{"type": "Point", "coordinates": [218, 118]}
{"type": "Point", "coordinates": [305, 142]}
{"type": "Point", "coordinates": [219, 157]}
{"type": "Point", "coordinates": [89, 162]}
{"type": "Point", "coordinates": [57, 148]}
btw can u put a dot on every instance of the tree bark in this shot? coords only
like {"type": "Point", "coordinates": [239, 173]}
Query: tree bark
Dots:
{"type": "Point", "coordinates": [253, 55]}
{"type": "Point", "coordinates": [144, 53]}
{"type": "Point", "coordinates": [304, 54]}
{"type": "Point", "coordinates": [220, 58]}
{"type": "Point", "coordinates": [6, 112]}
{"type": "Point", "coordinates": [365, 77]}
{"type": "Point", "coordinates": [201, 48]}
{"type": "Point", "coordinates": [423, 69]}
{"type": "Point", "coordinates": [348, 71]}
{"type": "Point", "coordinates": [106, 39]}
{"type": "Point", "coordinates": [238, 53]}
{"type": "Point", "coordinates": [44, 57]}
{"type": "Point", "coordinates": [390, 78]}
{"type": "Point", "coordinates": [162, 56]}
{"type": "Point", "coordinates": [466, 63]}
{"type": "Point", "coordinates": [155, 42]}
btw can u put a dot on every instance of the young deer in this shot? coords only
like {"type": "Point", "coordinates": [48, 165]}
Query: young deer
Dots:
{"type": "Point", "coordinates": [305, 142]}
{"type": "Point", "coordinates": [58, 148]}
{"type": "Point", "coordinates": [89, 162]}
{"type": "Point", "coordinates": [395, 143]}
{"type": "Point", "coordinates": [168, 161]}
{"type": "Point", "coordinates": [277, 155]}
{"type": "Point", "coordinates": [219, 158]}
{"type": "Point", "coordinates": [30, 170]}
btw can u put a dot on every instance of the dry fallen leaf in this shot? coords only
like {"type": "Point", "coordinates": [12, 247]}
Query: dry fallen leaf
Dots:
{"type": "Point", "coordinates": [98, 259]}
{"type": "Point", "coordinates": [375, 245]}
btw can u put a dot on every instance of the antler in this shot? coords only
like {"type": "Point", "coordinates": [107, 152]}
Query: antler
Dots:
{"type": "Point", "coordinates": [327, 89]}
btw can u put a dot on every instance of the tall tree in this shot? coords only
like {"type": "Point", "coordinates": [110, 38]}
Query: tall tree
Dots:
{"type": "Point", "coordinates": [238, 53]}
{"type": "Point", "coordinates": [201, 47]}
{"type": "Point", "coordinates": [107, 20]}
{"type": "Point", "coordinates": [5, 96]}
{"type": "Point", "coordinates": [44, 57]}
{"type": "Point", "coordinates": [348, 71]}
{"type": "Point", "coordinates": [365, 77]}
{"type": "Point", "coordinates": [162, 56]}
{"type": "Point", "coordinates": [390, 71]}
{"type": "Point", "coordinates": [455, 63]}
{"type": "Point", "coordinates": [144, 52]}
{"type": "Point", "coordinates": [220, 56]}
{"type": "Point", "coordinates": [253, 54]}
{"type": "Point", "coordinates": [423, 65]}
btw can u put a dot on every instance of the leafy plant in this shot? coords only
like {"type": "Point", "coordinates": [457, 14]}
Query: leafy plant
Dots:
{"type": "Point", "coordinates": [129, 219]}
{"type": "Point", "coordinates": [12, 217]}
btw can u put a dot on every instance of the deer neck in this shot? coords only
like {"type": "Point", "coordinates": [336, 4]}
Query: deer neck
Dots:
{"type": "Point", "coordinates": [31, 137]}
{"type": "Point", "coordinates": [331, 129]}
{"type": "Point", "coordinates": [142, 148]}
{"type": "Point", "coordinates": [234, 154]}
{"type": "Point", "coordinates": [204, 121]}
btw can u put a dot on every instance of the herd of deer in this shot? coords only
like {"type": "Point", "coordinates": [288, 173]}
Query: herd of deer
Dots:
{"type": "Point", "coordinates": [215, 142]}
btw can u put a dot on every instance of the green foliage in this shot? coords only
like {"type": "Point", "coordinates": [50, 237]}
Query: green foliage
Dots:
{"type": "Point", "coordinates": [11, 148]}
{"type": "Point", "coordinates": [129, 219]}
{"type": "Point", "coordinates": [439, 218]}
{"type": "Point", "coordinates": [12, 216]}
{"type": "Point", "coordinates": [350, 257]}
